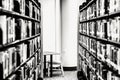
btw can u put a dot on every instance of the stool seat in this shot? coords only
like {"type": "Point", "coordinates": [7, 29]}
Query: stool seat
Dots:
{"type": "Point", "coordinates": [56, 62]}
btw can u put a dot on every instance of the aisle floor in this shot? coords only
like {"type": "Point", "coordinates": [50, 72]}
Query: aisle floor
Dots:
{"type": "Point", "coordinates": [69, 75]}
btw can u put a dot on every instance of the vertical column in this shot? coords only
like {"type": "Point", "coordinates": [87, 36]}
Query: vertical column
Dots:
{"type": "Point", "coordinates": [57, 27]}
{"type": "Point", "coordinates": [70, 12]}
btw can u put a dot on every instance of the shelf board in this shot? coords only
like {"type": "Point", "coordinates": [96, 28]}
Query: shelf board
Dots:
{"type": "Point", "coordinates": [7, 12]}
{"type": "Point", "coordinates": [90, 3]}
{"type": "Point", "coordinates": [22, 64]}
{"type": "Point", "coordinates": [87, 50]}
{"type": "Point", "coordinates": [35, 4]}
{"type": "Point", "coordinates": [2, 47]}
{"type": "Point", "coordinates": [106, 41]}
{"type": "Point", "coordinates": [106, 16]}
{"type": "Point", "coordinates": [96, 18]}
{"type": "Point", "coordinates": [83, 58]}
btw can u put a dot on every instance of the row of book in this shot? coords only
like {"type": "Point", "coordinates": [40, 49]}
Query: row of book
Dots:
{"type": "Point", "coordinates": [24, 7]}
{"type": "Point", "coordinates": [12, 29]}
{"type": "Point", "coordinates": [99, 8]}
{"type": "Point", "coordinates": [87, 63]}
{"type": "Point", "coordinates": [88, 43]}
{"type": "Point", "coordinates": [30, 71]}
{"type": "Point", "coordinates": [104, 51]}
{"type": "Point", "coordinates": [94, 69]}
{"type": "Point", "coordinates": [108, 29]}
{"type": "Point", "coordinates": [21, 61]}
{"type": "Point", "coordinates": [13, 57]}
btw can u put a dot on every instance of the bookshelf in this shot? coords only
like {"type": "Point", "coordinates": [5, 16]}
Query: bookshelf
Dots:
{"type": "Point", "coordinates": [21, 55]}
{"type": "Point", "coordinates": [99, 39]}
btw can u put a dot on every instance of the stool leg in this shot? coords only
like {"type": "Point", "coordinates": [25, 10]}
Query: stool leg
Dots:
{"type": "Point", "coordinates": [51, 59]}
{"type": "Point", "coordinates": [48, 70]}
{"type": "Point", "coordinates": [62, 70]}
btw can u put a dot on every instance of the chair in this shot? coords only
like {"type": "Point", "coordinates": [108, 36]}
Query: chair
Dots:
{"type": "Point", "coordinates": [56, 62]}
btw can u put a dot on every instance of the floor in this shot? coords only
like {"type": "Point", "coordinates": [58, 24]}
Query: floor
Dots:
{"type": "Point", "coordinates": [69, 75]}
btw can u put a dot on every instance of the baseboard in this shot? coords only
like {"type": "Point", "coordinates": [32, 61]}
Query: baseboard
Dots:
{"type": "Point", "coordinates": [70, 68]}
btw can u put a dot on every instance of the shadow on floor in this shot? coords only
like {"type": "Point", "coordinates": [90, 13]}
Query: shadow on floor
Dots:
{"type": "Point", "coordinates": [69, 75]}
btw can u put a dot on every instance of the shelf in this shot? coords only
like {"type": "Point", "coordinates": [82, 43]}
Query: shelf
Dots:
{"type": "Point", "coordinates": [102, 40]}
{"type": "Point", "coordinates": [96, 18]}
{"type": "Point", "coordinates": [22, 64]}
{"type": "Point", "coordinates": [4, 11]}
{"type": "Point", "coordinates": [106, 16]}
{"type": "Point", "coordinates": [87, 50]}
{"type": "Point", "coordinates": [90, 3]}
{"type": "Point", "coordinates": [92, 54]}
{"type": "Point", "coordinates": [83, 58]}
{"type": "Point", "coordinates": [2, 47]}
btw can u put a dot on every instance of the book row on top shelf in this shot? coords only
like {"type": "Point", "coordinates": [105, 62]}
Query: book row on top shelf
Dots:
{"type": "Point", "coordinates": [12, 29]}
{"type": "Point", "coordinates": [106, 28]}
{"type": "Point", "coordinates": [99, 8]}
{"type": "Point", "coordinates": [23, 7]}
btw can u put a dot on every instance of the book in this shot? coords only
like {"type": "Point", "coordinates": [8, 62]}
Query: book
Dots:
{"type": "Point", "coordinates": [31, 9]}
{"type": "Point", "coordinates": [23, 72]}
{"type": "Point", "coordinates": [10, 29]}
{"type": "Point", "coordinates": [101, 51]}
{"type": "Point", "coordinates": [27, 11]}
{"type": "Point", "coordinates": [18, 27]}
{"type": "Point", "coordinates": [22, 7]}
{"type": "Point", "coordinates": [24, 52]}
{"type": "Point", "coordinates": [113, 29]}
{"type": "Point", "coordinates": [18, 54]}
{"type": "Point", "coordinates": [29, 63]}
{"type": "Point", "coordinates": [36, 12]}
{"type": "Point", "coordinates": [4, 60]}
{"type": "Point", "coordinates": [23, 28]}
{"type": "Point", "coordinates": [16, 6]}
{"type": "Point", "coordinates": [33, 28]}
{"type": "Point", "coordinates": [13, 77]}
{"type": "Point", "coordinates": [4, 4]}
{"type": "Point", "coordinates": [12, 59]}
{"type": "Point", "coordinates": [11, 5]}
{"type": "Point", "coordinates": [29, 27]}
{"type": "Point", "coordinates": [3, 29]}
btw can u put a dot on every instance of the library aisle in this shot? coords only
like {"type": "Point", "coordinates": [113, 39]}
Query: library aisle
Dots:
{"type": "Point", "coordinates": [69, 75]}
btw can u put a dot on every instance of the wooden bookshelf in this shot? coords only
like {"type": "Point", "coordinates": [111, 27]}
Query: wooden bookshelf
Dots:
{"type": "Point", "coordinates": [2, 47]}
{"type": "Point", "coordinates": [21, 65]}
{"type": "Point", "coordinates": [15, 14]}
{"type": "Point", "coordinates": [98, 35]}
{"type": "Point", "coordinates": [21, 40]}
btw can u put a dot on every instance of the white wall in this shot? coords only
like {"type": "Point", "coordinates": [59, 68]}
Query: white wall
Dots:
{"type": "Point", "coordinates": [48, 25]}
{"type": "Point", "coordinates": [51, 25]}
{"type": "Point", "coordinates": [58, 27]}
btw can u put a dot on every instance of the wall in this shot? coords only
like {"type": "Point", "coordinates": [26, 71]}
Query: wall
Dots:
{"type": "Point", "coordinates": [58, 35]}
{"type": "Point", "coordinates": [51, 25]}
{"type": "Point", "coordinates": [48, 25]}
